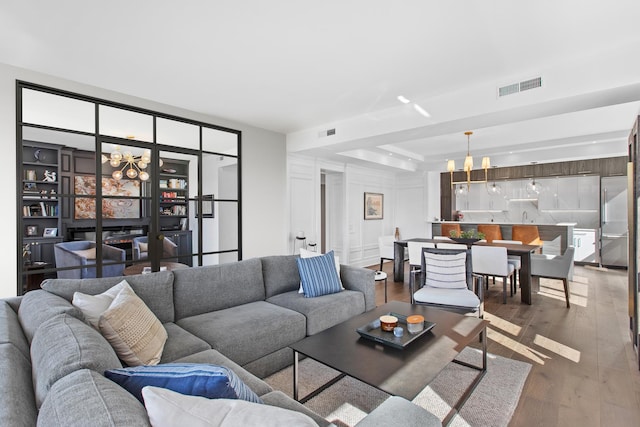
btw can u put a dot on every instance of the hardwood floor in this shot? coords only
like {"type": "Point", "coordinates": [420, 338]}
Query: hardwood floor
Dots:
{"type": "Point", "coordinates": [584, 369]}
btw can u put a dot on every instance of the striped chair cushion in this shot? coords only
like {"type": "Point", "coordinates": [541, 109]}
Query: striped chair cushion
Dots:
{"type": "Point", "coordinates": [445, 271]}
{"type": "Point", "coordinates": [318, 275]}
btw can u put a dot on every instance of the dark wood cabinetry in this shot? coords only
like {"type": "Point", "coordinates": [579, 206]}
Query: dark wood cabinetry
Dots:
{"type": "Point", "coordinates": [613, 166]}
{"type": "Point", "coordinates": [184, 242]}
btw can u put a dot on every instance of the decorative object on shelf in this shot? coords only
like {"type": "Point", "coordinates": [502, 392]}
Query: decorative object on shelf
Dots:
{"type": "Point", "coordinates": [49, 176]}
{"type": "Point", "coordinates": [50, 232]}
{"type": "Point", "coordinates": [397, 234]}
{"type": "Point", "coordinates": [30, 175]}
{"type": "Point", "coordinates": [135, 165]}
{"type": "Point", "coordinates": [32, 230]}
{"type": "Point", "coordinates": [373, 206]}
{"type": "Point", "coordinates": [468, 165]}
{"type": "Point", "coordinates": [26, 253]}
{"type": "Point", "coordinates": [41, 156]}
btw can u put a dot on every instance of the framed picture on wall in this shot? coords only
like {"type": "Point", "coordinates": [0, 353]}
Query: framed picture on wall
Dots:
{"type": "Point", "coordinates": [373, 206]}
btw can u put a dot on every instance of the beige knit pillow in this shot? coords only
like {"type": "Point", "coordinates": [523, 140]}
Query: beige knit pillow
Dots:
{"type": "Point", "coordinates": [132, 329]}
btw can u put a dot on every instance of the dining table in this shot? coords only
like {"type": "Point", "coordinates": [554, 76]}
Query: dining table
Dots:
{"type": "Point", "coordinates": [523, 251]}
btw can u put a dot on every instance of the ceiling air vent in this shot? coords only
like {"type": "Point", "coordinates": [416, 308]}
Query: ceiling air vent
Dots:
{"type": "Point", "coordinates": [328, 132]}
{"type": "Point", "coordinates": [519, 87]}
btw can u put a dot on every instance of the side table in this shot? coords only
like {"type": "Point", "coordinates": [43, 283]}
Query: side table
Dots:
{"type": "Point", "coordinates": [380, 276]}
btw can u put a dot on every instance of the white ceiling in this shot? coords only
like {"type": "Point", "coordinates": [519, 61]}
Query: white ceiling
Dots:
{"type": "Point", "coordinates": [301, 67]}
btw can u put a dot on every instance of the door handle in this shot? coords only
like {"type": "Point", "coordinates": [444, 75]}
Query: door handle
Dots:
{"type": "Point", "coordinates": [160, 237]}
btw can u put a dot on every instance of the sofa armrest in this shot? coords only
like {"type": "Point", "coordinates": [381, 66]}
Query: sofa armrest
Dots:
{"type": "Point", "coordinates": [396, 411]}
{"type": "Point", "coordinates": [360, 279]}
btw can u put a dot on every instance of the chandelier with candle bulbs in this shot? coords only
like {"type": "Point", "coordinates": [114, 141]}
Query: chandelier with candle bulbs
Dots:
{"type": "Point", "coordinates": [468, 165]}
{"type": "Point", "coordinates": [132, 166]}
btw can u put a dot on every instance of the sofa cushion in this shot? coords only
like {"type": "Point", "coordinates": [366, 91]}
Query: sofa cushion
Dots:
{"type": "Point", "coordinates": [180, 343]}
{"type": "Point", "coordinates": [318, 275]}
{"type": "Point", "coordinates": [280, 274]}
{"type": "Point", "coordinates": [155, 289]}
{"type": "Point", "coordinates": [64, 344]}
{"type": "Point", "coordinates": [92, 306]}
{"type": "Point", "coordinates": [325, 311]}
{"type": "Point", "coordinates": [214, 357]}
{"type": "Point", "coordinates": [167, 408]}
{"type": "Point", "coordinates": [249, 331]}
{"type": "Point", "coordinates": [194, 379]}
{"type": "Point", "coordinates": [39, 306]}
{"type": "Point", "coordinates": [278, 398]}
{"type": "Point", "coordinates": [10, 329]}
{"type": "Point", "coordinates": [18, 401]}
{"type": "Point", "coordinates": [201, 290]}
{"type": "Point", "coordinates": [133, 331]}
{"type": "Point", "coordinates": [86, 395]}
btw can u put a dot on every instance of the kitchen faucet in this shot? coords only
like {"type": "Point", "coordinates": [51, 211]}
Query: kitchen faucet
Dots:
{"type": "Point", "coordinates": [524, 217]}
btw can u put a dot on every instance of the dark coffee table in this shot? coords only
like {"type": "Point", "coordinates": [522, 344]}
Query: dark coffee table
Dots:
{"type": "Point", "coordinates": [400, 372]}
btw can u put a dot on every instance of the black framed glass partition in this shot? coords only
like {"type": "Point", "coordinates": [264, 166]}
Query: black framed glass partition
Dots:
{"type": "Point", "coordinates": [106, 189]}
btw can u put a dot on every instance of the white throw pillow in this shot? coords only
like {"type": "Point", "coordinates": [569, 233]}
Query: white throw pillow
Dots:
{"type": "Point", "coordinates": [167, 408]}
{"type": "Point", "coordinates": [92, 306]}
{"type": "Point", "coordinates": [134, 332]}
{"type": "Point", "coordinates": [305, 253]}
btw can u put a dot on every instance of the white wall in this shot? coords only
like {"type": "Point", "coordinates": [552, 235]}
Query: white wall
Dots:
{"type": "Point", "coordinates": [264, 180]}
{"type": "Point", "coordinates": [410, 200]}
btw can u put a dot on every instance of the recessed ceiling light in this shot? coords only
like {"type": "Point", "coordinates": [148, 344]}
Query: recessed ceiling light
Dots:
{"type": "Point", "coordinates": [421, 110]}
{"type": "Point", "coordinates": [403, 99]}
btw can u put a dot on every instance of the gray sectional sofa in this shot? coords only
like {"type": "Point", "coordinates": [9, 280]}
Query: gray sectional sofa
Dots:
{"type": "Point", "coordinates": [241, 315]}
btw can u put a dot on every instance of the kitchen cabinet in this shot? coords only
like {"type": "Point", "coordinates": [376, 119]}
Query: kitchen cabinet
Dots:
{"type": "Point", "coordinates": [585, 244]}
{"type": "Point", "coordinates": [570, 193]}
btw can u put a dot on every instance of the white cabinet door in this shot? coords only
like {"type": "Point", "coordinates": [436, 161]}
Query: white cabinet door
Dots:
{"type": "Point", "coordinates": [568, 193]}
{"type": "Point", "coordinates": [584, 241]}
{"type": "Point", "coordinates": [589, 192]}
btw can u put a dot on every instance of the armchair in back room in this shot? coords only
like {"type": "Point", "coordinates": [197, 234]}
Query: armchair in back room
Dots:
{"type": "Point", "coordinates": [83, 254]}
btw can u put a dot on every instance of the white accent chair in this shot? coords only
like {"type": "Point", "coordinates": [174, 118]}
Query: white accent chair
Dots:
{"type": "Point", "coordinates": [385, 245]}
{"type": "Point", "coordinates": [464, 295]}
{"type": "Point", "coordinates": [415, 257]}
{"type": "Point", "coordinates": [513, 259]}
{"type": "Point", "coordinates": [554, 267]}
{"type": "Point", "coordinates": [492, 261]}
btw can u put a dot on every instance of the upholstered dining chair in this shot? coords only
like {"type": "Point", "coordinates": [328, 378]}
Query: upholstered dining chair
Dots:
{"type": "Point", "coordinates": [447, 282]}
{"type": "Point", "coordinates": [554, 267]}
{"type": "Point", "coordinates": [491, 231]}
{"type": "Point", "coordinates": [492, 261]}
{"type": "Point", "coordinates": [527, 234]}
{"type": "Point", "coordinates": [513, 259]}
{"type": "Point", "coordinates": [415, 257]}
{"type": "Point", "coordinates": [82, 253]}
{"type": "Point", "coordinates": [385, 247]}
{"type": "Point", "coordinates": [447, 228]}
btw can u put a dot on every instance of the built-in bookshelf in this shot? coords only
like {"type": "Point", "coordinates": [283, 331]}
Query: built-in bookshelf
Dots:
{"type": "Point", "coordinates": [174, 194]}
{"type": "Point", "coordinates": [40, 189]}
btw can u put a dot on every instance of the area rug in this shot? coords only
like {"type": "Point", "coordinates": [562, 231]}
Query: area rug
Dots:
{"type": "Point", "coordinates": [348, 401]}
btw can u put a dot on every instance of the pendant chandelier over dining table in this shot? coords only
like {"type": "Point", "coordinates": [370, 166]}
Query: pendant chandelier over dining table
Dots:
{"type": "Point", "coordinates": [468, 164]}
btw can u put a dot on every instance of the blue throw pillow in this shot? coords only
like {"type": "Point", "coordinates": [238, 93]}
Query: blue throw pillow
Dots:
{"type": "Point", "coordinates": [318, 275]}
{"type": "Point", "coordinates": [192, 379]}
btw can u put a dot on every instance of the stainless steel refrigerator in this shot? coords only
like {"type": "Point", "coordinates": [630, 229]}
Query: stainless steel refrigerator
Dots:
{"type": "Point", "coordinates": [613, 222]}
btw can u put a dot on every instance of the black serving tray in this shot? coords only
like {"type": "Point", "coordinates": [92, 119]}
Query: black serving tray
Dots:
{"type": "Point", "coordinates": [373, 332]}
